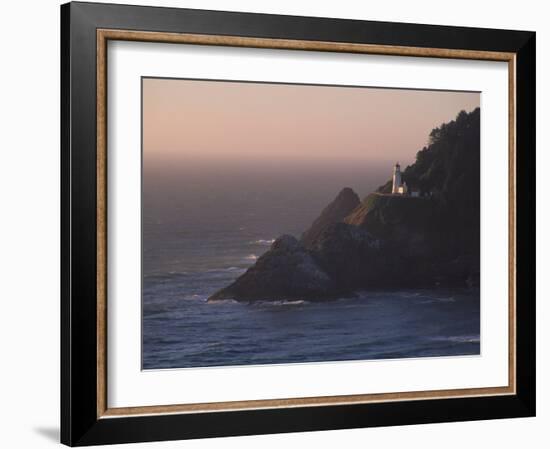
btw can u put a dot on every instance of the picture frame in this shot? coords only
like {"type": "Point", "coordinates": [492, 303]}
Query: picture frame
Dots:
{"type": "Point", "coordinates": [86, 29]}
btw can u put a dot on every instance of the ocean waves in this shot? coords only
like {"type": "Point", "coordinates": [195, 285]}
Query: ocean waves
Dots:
{"type": "Point", "coordinates": [181, 329]}
{"type": "Point", "coordinates": [262, 242]}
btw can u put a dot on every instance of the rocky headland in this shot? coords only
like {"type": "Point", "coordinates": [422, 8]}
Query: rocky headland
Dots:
{"type": "Point", "coordinates": [385, 241]}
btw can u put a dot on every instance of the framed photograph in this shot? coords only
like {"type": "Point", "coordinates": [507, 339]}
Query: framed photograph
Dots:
{"type": "Point", "coordinates": [283, 224]}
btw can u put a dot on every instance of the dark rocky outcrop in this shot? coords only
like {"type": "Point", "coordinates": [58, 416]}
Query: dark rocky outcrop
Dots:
{"type": "Point", "coordinates": [385, 241]}
{"type": "Point", "coordinates": [349, 254]}
{"type": "Point", "coordinates": [346, 201]}
{"type": "Point", "coordinates": [286, 271]}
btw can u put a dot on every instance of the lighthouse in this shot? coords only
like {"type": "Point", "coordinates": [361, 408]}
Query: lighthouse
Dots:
{"type": "Point", "coordinates": [397, 186]}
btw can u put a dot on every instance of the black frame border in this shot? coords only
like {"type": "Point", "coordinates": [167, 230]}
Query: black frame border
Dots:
{"type": "Point", "coordinates": [80, 424]}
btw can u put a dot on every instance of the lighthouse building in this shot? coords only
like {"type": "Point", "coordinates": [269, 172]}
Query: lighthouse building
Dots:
{"type": "Point", "coordinates": [398, 187]}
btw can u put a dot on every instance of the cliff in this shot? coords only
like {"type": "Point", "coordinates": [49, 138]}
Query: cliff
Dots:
{"type": "Point", "coordinates": [346, 201]}
{"type": "Point", "coordinates": [385, 241]}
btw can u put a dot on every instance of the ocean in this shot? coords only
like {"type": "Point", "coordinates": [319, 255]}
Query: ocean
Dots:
{"type": "Point", "coordinates": [199, 236]}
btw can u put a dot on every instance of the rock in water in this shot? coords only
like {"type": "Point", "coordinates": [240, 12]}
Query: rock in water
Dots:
{"type": "Point", "coordinates": [346, 201]}
{"type": "Point", "coordinates": [286, 271]}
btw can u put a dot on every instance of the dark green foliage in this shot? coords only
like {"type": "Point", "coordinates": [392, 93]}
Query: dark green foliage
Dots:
{"type": "Point", "coordinates": [449, 166]}
{"type": "Point", "coordinates": [449, 169]}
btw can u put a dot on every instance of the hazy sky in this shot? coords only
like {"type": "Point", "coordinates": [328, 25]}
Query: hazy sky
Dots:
{"type": "Point", "coordinates": [206, 122]}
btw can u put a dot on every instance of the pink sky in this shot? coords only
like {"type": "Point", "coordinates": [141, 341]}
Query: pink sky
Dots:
{"type": "Point", "coordinates": [197, 122]}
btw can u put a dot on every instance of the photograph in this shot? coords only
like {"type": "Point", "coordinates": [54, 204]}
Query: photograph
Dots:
{"type": "Point", "coordinates": [302, 223]}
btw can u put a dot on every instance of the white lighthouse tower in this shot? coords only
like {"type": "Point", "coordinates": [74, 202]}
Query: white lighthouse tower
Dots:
{"type": "Point", "coordinates": [397, 186]}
